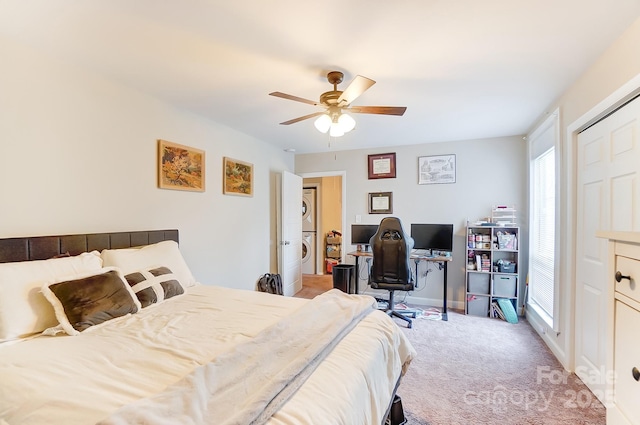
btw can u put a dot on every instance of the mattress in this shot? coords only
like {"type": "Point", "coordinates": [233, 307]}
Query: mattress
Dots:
{"type": "Point", "coordinates": [84, 379]}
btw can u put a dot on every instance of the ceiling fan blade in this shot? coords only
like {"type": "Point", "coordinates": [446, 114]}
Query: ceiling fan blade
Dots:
{"type": "Point", "coordinates": [306, 117]}
{"type": "Point", "coordinates": [291, 97]}
{"type": "Point", "coordinates": [358, 86]}
{"type": "Point", "coordinates": [381, 110]}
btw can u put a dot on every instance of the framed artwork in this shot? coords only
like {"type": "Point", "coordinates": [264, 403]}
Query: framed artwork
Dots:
{"type": "Point", "coordinates": [180, 167]}
{"type": "Point", "coordinates": [380, 203]}
{"type": "Point", "coordinates": [437, 169]}
{"type": "Point", "coordinates": [237, 178]}
{"type": "Point", "coordinates": [382, 166]}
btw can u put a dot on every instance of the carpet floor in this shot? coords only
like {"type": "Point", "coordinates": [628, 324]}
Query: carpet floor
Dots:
{"type": "Point", "coordinates": [475, 370]}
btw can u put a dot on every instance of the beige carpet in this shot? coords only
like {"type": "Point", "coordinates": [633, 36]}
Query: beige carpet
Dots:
{"type": "Point", "coordinates": [474, 370]}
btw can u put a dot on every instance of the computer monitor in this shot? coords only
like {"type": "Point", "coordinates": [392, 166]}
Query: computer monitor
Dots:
{"type": "Point", "coordinates": [362, 233]}
{"type": "Point", "coordinates": [435, 237]}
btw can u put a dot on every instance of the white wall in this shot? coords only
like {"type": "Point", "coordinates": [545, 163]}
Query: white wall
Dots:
{"type": "Point", "coordinates": [489, 172]}
{"type": "Point", "coordinates": [79, 154]}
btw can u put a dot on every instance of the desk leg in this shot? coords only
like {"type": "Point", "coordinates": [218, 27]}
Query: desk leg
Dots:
{"type": "Point", "coordinates": [356, 277]}
{"type": "Point", "coordinates": [444, 297]}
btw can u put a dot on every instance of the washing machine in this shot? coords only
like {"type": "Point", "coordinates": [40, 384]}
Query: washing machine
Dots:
{"type": "Point", "coordinates": [308, 252]}
{"type": "Point", "coordinates": [309, 210]}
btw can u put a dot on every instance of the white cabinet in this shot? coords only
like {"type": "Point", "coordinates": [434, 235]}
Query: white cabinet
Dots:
{"type": "Point", "coordinates": [627, 363]}
{"type": "Point", "coordinates": [623, 349]}
{"type": "Point", "coordinates": [492, 267]}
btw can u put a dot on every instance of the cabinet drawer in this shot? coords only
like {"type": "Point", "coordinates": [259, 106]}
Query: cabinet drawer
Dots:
{"type": "Point", "coordinates": [626, 358]}
{"type": "Point", "coordinates": [628, 267]}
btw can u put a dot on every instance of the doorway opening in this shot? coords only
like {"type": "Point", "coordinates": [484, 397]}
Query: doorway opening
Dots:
{"type": "Point", "coordinates": [328, 189]}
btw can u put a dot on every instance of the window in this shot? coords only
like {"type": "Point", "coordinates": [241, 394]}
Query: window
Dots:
{"type": "Point", "coordinates": [542, 292]}
{"type": "Point", "coordinates": [542, 232]}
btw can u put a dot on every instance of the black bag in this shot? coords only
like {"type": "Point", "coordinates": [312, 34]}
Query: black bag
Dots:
{"type": "Point", "coordinates": [271, 283]}
{"type": "Point", "coordinates": [396, 415]}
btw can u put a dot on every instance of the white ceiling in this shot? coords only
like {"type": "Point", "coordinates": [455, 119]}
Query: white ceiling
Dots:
{"type": "Point", "coordinates": [465, 69]}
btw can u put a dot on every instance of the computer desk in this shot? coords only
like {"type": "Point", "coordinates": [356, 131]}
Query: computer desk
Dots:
{"type": "Point", "coordinates": [417, 258]}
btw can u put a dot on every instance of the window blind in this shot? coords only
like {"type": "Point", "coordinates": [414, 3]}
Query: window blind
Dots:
{"type": "Point", "coordinates": [542, 232]}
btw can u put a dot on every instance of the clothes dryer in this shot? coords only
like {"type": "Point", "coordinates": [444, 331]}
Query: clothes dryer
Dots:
{"type": "Point", "coordinates": [309, 210]}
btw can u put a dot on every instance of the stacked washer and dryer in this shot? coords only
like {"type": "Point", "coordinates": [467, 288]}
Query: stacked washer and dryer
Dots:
{"type": "Point", "coordinates": [309, 231]}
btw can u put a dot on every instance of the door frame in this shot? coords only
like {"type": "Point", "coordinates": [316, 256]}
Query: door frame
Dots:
{"type": "Point", "coordinates": [568, 220]}
{"type": "Point", "coordinates": [343, 213]}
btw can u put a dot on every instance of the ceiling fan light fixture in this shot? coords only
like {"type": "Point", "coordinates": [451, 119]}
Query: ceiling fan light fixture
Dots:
{"type": "Point", "coordinates": [332, 120]}
{"type": "Point", "coordinates": [346, 122]}
{"type": "Point", "coordinates": [323, 123]}
{"type": "Point", "coordinates": [336, 130]}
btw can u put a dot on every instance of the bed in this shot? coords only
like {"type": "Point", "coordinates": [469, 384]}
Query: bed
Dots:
{"type": "Point", "coordinates": [112, 328]}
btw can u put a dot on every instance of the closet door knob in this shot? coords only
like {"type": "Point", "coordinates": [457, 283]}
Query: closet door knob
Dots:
{"type": "Point", "coordinates": [619, 277]}
{"type": "Point", "coordinates": [636, 373]}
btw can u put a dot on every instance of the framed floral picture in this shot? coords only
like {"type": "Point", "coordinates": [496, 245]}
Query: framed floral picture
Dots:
{"type": "Point", "coordinates": [180, 167]}
{"type": "Point", "coordinates": [237, 178]}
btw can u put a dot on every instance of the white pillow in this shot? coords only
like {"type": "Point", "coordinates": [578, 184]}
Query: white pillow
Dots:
{"type": "Point", "coordinates": [90, 299]}
{"type": "Point", "coordinates": [166, 253]}
{"type": "Point", "coordinates": [23, 309]}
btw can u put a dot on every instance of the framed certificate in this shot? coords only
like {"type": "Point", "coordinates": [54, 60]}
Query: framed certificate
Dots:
{"type": "Point", "coordinates": [382, 166]}
{"type": "Point", "coordinates": [380, 203]}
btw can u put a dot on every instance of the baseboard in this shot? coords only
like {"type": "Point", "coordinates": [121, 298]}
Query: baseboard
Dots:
{"type": "Point", "coordinates": [434, 302]}
{"type": "Point", "coordinates": [548, 335]}
{"type": "Point", "coordinates": [421, 301]}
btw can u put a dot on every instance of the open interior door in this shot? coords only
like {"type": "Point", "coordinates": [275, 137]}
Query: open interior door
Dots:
{"type": "Point", "coordinates": [290, 232]}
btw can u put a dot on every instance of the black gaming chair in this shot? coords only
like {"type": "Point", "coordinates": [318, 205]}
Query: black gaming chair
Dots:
{"type": "Point", "coordinates": [391, 268]}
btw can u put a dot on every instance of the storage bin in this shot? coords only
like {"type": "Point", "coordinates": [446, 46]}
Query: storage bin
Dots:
{"type": "Point", "coordinates": [507, 241]}
{"type": "Point", "coordinates": [504, 286]}
{"type": "Point", "coordinates": [330, 263]}
{"type": "Point", "coordinates": [478, 283]}
{"type": "Point", "coordinates": [478, 305]}
{"type": "Point", "coordinates": [507, 267]}
{"type": "Point", "coordinates": [333, 251]}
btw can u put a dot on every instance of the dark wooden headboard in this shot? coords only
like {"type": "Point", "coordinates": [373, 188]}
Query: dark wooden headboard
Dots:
{"type": "Point", "coordinates": [44, 247]}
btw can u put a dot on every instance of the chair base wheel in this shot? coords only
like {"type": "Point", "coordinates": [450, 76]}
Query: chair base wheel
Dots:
{"type": "Point", "coordinates": [394, 313]}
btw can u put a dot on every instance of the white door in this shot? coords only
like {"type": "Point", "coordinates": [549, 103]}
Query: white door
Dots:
{"type": "Point", "coordinates": [608, 198]}
{"type": "Point", "coordinates": [290, 233]}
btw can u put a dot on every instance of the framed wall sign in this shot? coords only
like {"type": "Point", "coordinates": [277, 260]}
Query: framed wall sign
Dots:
{"type": "Point", "coordinates": [437, 169]}
{"type": "Point", "coordinates": [180, 167]}
{"type": "Point", "coordinates": [382, 166]}
{"type": "Point", "coordinates": [380, 203]}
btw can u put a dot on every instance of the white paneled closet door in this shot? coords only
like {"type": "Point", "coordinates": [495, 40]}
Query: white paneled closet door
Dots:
{"type": "Point", "coordinates": [608, 198]}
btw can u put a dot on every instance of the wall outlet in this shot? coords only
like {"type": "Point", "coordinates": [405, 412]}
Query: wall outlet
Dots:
{"type": "Point", "coordinates": [358, 218]}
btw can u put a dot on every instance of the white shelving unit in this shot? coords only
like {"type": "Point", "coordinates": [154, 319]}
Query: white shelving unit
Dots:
{"type": "Point", "coordinates": [492, 267]}
{"type": "Point", "coordinates": [333, 251]}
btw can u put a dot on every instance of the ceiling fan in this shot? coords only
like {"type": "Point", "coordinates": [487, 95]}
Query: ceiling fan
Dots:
{"type": "Point", "coordinates": [336, 104]}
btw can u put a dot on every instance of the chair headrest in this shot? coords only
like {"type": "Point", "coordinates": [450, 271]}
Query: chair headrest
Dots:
{"type": "Point", "coordinates": [390, 228]}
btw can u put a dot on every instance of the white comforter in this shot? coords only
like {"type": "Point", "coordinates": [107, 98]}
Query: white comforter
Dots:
{"type": "Point", "coordinates": [90, 377]}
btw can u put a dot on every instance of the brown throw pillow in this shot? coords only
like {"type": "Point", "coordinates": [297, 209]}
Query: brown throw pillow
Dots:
{"type": "Point", "coordinates": [90, 300]}
{"type": "Point", "coordinates": [154, 285]}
